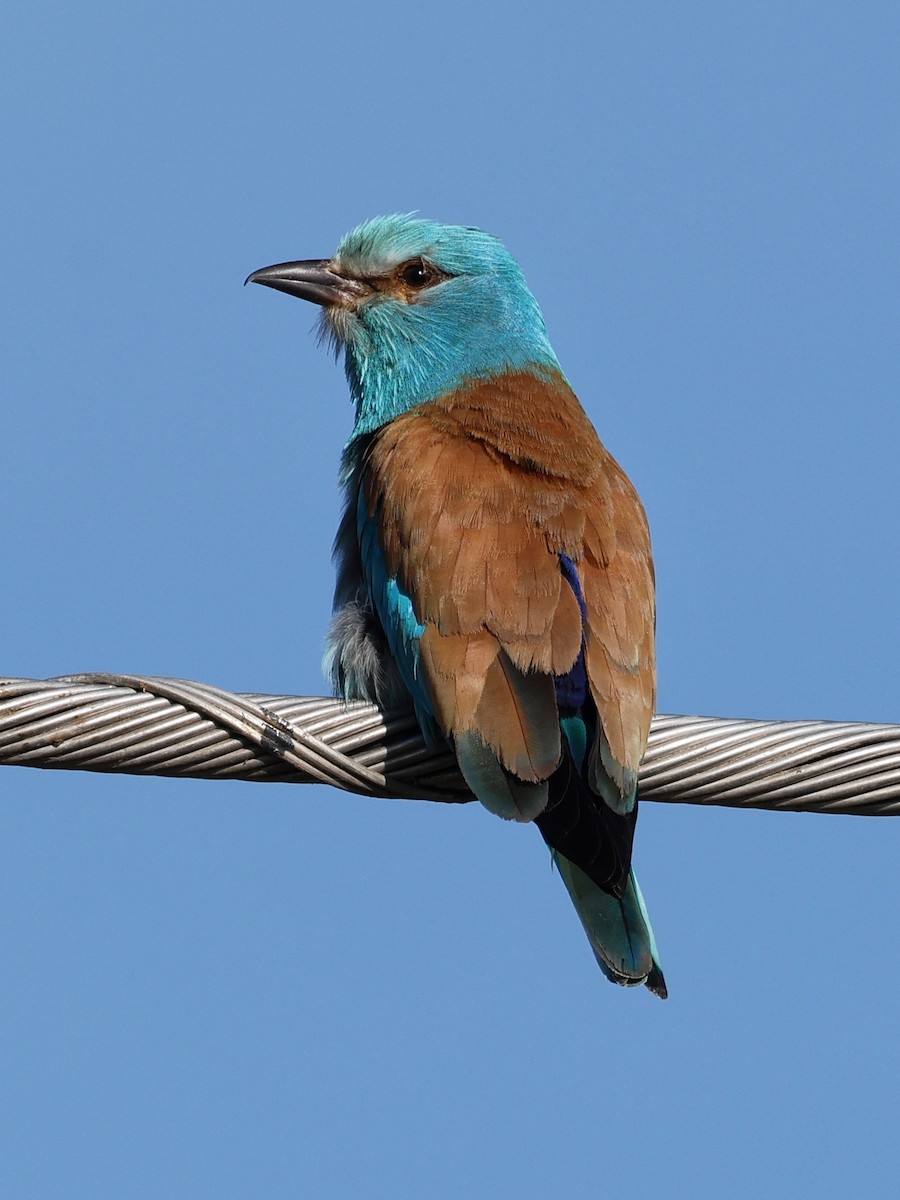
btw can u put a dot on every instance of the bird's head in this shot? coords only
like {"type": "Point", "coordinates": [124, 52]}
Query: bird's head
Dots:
{"type": "Point", "coordinates": [418, 308]}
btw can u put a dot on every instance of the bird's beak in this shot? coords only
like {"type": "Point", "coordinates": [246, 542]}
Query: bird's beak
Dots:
{"type": "Point", "coordinates": [313, 279]}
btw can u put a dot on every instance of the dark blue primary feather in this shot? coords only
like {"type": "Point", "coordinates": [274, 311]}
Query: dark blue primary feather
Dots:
{"type": "Point", "coordinates": [577, 822]}
{"type": "Point", "coordinates": [572, 688]}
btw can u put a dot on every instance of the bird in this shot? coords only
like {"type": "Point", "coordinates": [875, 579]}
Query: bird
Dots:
{"type": "Point", "coordinates": [493, 560]}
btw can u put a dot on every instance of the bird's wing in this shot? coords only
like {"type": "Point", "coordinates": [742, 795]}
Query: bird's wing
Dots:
{"type": "Point", "coordinates": [472, 501]}
{"type": "Point", "coordinates": [619, 587]}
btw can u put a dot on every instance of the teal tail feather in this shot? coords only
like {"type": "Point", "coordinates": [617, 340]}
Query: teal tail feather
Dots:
{"type": "Point", "coordinates": [618, 929]}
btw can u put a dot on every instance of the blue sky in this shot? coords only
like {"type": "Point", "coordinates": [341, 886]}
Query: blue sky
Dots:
{"type": "Point", "coordinates": [233, 990]}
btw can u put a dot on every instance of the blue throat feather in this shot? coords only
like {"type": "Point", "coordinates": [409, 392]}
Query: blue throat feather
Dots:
{"type": "Point", "coordinates": [481, 322]}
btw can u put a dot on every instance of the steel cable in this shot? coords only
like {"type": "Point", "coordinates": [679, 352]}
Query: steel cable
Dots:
{"type": "Point", "coordinates": [143, 725]}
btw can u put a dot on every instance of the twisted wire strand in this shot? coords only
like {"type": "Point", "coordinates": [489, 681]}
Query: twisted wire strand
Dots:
{"type": "Point", "coordinates": [144, 725]}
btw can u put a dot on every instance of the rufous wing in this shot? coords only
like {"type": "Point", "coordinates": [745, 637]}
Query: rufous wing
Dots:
{"type": "Point", "coordinates": [476, 495]}
{"type": "Point", "coordinates": [618, 581]}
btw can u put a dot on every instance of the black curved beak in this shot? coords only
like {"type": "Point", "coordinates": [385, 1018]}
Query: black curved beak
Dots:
{"type": "Point", "coordinates": [312, 279]}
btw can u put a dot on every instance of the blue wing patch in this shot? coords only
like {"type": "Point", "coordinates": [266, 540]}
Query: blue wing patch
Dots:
{"type": "Point", "coordinates": [572, 688]}
{"type": "Point", "coordinates": [395, 610]}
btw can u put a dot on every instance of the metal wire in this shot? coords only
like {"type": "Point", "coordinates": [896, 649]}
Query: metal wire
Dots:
{"type": "Point", "coordinates": [143, 725]}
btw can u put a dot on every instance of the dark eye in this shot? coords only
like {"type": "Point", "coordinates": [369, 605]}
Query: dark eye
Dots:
{"type": "Point", "coordinates": [418, 274]}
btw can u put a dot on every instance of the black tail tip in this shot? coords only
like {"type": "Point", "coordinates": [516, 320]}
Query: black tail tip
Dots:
{"type": "Point", "coordinates": [657, 984]}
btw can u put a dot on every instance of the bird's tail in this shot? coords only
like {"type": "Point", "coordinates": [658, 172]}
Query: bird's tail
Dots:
{"type": "Point", "coordinates": [618, 929]}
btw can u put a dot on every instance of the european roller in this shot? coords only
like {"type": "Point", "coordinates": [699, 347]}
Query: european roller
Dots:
{"type": "Point", "coordinates": [493, 560]}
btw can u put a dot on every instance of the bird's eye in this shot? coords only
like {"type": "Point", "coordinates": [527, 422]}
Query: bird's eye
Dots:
{"type": "Point", "coordinates": [418, 274]}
